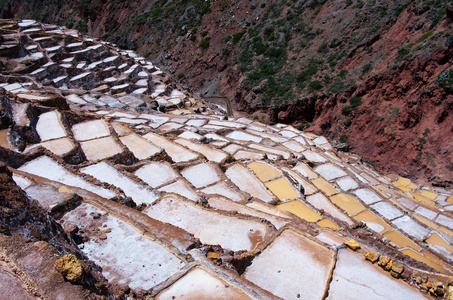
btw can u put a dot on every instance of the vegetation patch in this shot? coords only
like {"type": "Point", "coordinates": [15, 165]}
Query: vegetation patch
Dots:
{"type": "Point", "coordinates": [354, 102]}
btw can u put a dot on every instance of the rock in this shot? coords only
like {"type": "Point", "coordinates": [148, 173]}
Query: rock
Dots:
{"type": "Point", "coordinates": [352, 244]}
{"type": "Point", "coordinates": [64, 189]}
{"type": "Point", "coordinates": [397, 269]}
{"type": "Point", "coordinates": [70, 267]}
{"type": "Point", "coordinates": [384, 262]}
{"type": "Point", "coordinates": [372, 256]}
{"type": "Point", "coordinates": [449, 293]}
{"type": "Point", "coordinates": [449, 8]}
{"type": "Point", "coordinates": [102, 236]}
{"type": "Point", "coordinates": [71, 229]}
{"type": "Point", "coordinates": [213, 256]}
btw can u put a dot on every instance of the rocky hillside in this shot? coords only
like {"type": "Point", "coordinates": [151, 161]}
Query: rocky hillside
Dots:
{"type": "Point", "coordinates": [373, 74]}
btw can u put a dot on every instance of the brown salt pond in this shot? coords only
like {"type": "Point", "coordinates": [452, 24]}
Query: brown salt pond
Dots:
{"type": "Point", "coordinates": [4, 140]}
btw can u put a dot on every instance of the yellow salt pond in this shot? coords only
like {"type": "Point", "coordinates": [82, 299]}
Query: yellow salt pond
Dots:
{"type": "Point", "coordinates": [429, 194]}
{"type": "Point", "coordinates": [401, 187]}
{"type": "Point", "coordinates": [373, 222]}
{"type": "Point", "coordinates": [424, 200]}
{"type": "Point", "coordinates": [282, 189]}
{"type": "Point", "coordinates": [301, 210]}
{"type": "Point", "coordinates": [438, 243]}
{"type": "Point", "coordinates": [445, 230]}
{"type": "Point", "coordinates": [435, 264]}
{"type": "Point", "coordinates": [403, 181]}
{"type": "Point", "coordinates": [326, 223]}
{"type": "Point", "coordinates": [305, 171]}
{"type": "Point", "coordinates": [348, 203]}
{"type": "Point", "coordinates": [407, 183]}
{"type": "Point", "coordinates": [324, 186]}
{"type": "Point", "coordinates": [401, 241]}
{"type": "Point", "coordinates": [425, 221]}
{"type": "Point", "coordinates": [450, 200]}
{"type": "Point", "coordinates": [264, 171]}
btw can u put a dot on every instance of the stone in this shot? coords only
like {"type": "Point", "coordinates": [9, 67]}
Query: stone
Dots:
{"type": "Point", "coordinates": [213, 256]}
{"type": "Point", "coordinates": [384, 262]}
{"type": "Point", "coordinates": [71, 269]}
{"type": "Point", "coordinates": [449, 293]}
{"type": "Point", "coordinates": [372, 256]}
{"type": "Point", "coordinates": [71, 229]}
{"type": "Point", "coordinates": [398, 268]}
{"type": "Point", "coordinates": [352, 244]}
{"type": "Point", "coordinates": [102, 236]}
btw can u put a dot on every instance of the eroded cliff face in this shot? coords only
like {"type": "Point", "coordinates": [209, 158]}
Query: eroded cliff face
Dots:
{"type": "Point", "coordinates": [300, 62]}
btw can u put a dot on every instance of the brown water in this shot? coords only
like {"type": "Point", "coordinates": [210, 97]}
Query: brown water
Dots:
{"type": "Point", "coordinates": [3, 139]}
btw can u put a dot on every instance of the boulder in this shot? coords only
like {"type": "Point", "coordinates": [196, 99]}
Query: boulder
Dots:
{"type": "Point", "coordinates": [71, 269]}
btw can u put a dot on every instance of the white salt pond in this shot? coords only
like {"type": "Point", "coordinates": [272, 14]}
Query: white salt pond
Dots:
{"type": "Point", "coordinates": [178, 187]}
{"type": "Point", "coordinates": [210, 153]}
{"type": "Point", "coordinates": [242, 136]}
{"type": "Point", "coordinates": [141, 148]}
{"type": "Point", "coordinates": [330, 171]}
{"type": "Point", "coordinates": [156, 174]}
{"type": "Point", "coordinates": [90, 130]}
{"type": "Point", "coordinates": [49, 126]}
{"type": "Point", "coordinates": [60, 146]}
{"type": "Point", "coordinates": [290, 261]}
{"type": "Point", "coordinates": [126, 256]}
{"type": "Point", "coordinates": [408, 225]}
{"type": "Point", "coordinates": [387, 210]}
{"type": "Point", "coordinates": [367, 196]}
{"type": "Point", "coordinates": [199, 284]}
{"type": "Point", "coordinates": [48, 168]}
{"type": "Point", "coordinates": [201, 175]}
{"type": "Point", "coordinates": [99, 149]}
{"type": "Point", "coordinates": [106, 173]}
{"type": "Point", "coordinates": [247, 182]}
{"type": "Point", "coordinates": [210, 227]}
{"type": "Point", "coordinates": [355, 278]}
{"type": "Point", "coordinates": [176, 152]}
{"type": "Point", "coordinates": [347, 183]}
{"type": "Point", "coordinates": [221, 188]}
{"type": "Point", "coordinates": [319, 201]}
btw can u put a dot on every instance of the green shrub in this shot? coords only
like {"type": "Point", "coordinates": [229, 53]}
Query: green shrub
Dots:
{"type": "Point", "coordinates": [238, 36]}
{"type": "Point", "coordinates": [355, 101]}
{"type": "Point", "coordinates": [337, 87]}
{"type": "Point", "coordinates": [310, 69]}
{"type": "Point", "coordinates": [204, 33]}
{"type": "Point", "coordinates": [314, 86]}
{"type": "Point", "coordinates": [366, 68]}
{"type": "Point", "coordinates": [345, 110]}
{"type": "Point", "coordinates": [323, 48]}
{"type": "Point", "coordinates": [425, 36]}
{"type": "Point", "coordinates": [204, 44]}
{"type": "Point", "coordinates": [343, 73]}
{"type": "Point", "coordinates": [445, 79]}
{"type": "Point", "coordinates": [269, 33]}
{"type": "Point", "coordinates": [343, 138]}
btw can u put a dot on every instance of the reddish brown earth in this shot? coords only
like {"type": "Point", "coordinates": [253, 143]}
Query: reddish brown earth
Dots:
{"type": "Point", "coordinates": [404, 125]}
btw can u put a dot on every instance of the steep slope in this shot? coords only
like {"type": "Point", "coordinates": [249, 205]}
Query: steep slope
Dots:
{"type": "Point", "coordinates": [300, 62]}
{"type": "Point", "coordinates": [116, 183]}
